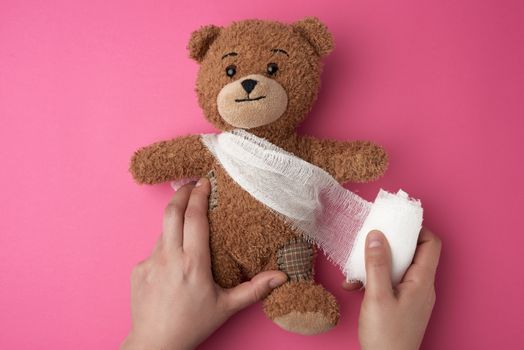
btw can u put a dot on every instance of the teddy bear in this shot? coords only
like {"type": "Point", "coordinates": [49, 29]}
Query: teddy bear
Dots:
{"type": "Point", "coordinates": [262, 78]}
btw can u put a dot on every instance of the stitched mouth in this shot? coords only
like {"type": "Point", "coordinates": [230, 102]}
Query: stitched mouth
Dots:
{"type": "Point", "coordinates": [250, 99]}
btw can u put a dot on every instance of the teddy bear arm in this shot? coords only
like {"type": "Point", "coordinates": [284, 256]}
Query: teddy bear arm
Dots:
{"type": "Point", "coordinates": [163, 161]}
{"type": "Point", "coordinates": [356, 161]}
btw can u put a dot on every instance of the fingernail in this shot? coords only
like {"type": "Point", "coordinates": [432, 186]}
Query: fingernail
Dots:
{"type": "Point", "coordinates": [277, 281]}
{"type": "Point", "coordinates": [374, 239]}
{"type": "Point", "coordinates": [199, 183]}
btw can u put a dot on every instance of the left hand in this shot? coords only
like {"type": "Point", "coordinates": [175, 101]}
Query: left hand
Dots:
{"type": "Point", "coordinates": [175, 304]}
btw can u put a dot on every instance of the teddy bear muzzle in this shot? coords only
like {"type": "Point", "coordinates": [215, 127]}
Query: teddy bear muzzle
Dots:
{"type": "Point", "coordinates": [252, 101]}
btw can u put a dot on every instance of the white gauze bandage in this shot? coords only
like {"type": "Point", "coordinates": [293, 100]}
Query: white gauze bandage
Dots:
{"type": "Point", "coordinates": [316, 205]}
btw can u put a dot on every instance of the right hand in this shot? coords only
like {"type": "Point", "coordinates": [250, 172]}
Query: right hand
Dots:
{"type": "Point", "coordinates": [396, 317]}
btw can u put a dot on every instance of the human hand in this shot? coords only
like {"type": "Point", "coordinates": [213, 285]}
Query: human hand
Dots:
{"type": "Point", "coordinates": [396, 317]}
{"type": "Point", "coordinates": [175, 304]}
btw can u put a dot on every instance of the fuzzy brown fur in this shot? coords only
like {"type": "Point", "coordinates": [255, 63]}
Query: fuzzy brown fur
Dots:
{"type": "Point", "coordinates": [245, 235]}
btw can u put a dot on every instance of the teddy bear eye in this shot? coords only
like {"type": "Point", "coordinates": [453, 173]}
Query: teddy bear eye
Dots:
{"type": "Point", "coordinates": [231, 70]}
{"type": "Point", "coordinates": [272, 68]}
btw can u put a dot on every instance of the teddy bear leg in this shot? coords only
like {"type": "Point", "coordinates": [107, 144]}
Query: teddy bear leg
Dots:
{"type": "Point", "coordinates": [301, 305]}
{"type": "Point", "coordinates": [226, 271]}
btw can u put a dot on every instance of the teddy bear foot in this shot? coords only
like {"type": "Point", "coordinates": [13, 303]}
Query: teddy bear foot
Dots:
{"type": "Point", "coordinates": [302, 307]}
{"type": "Point", "coordinates": [305, 323]}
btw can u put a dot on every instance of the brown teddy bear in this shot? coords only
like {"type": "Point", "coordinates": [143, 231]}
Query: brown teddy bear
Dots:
{"type": "Point", "coordinates": [261, 77]}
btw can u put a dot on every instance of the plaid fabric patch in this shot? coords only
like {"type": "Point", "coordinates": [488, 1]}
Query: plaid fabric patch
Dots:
{"type": "Point", "coordinates": [296, 260]}
{"type": "Point", "coordinates": [213, 196]}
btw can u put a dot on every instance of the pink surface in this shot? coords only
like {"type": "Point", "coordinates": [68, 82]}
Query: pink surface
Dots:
{"type": "Point", "coordinates": [438, 83]}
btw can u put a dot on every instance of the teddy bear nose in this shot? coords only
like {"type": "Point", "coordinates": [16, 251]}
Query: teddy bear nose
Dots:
{"type": "Point", "coordinates": [249, 85]}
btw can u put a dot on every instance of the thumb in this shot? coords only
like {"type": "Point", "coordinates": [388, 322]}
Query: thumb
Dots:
{"type": "Point", "coordinates": [378, 265]}
{"type": "Point", "coordinates": [254, 290]}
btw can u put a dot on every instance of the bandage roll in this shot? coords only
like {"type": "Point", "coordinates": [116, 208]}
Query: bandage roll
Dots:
{"type": "Point", "coordinates": [400, 219]}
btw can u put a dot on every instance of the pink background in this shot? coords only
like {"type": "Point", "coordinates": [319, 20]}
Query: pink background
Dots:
{"type": "Point", "coordinates": [438, 83]}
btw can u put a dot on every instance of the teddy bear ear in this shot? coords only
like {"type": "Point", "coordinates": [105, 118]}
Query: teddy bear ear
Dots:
{"type": "Point", "coordinates": [316, 33]}
{"type": "Point", "coordinates": [201, 40]}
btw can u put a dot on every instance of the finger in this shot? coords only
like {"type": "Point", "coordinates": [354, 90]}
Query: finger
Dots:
{"type": "Point", "coordinates": [174, 218]}
{"type": "Point", "coordinates": [196, 224]}
{"type": "Point", "coordinates": [351, 286]}
{"type": "Point", "coordinates": [426, 257]}
{"type": "Point", "coordinates": [254, 290]}
{"type": "Point", "coordinates": [428, 250]}
{"type": "Point", "coordinates": [158, 246]}
{"type": "Point", "coordinates": [378, 266]}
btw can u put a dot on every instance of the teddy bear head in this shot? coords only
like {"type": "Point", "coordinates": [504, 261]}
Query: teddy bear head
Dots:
{"type": "Point", "coordinates": [259, 75]}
